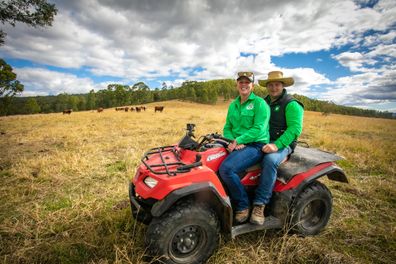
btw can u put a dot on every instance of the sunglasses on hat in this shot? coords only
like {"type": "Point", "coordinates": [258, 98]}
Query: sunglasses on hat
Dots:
{"type": "Point", "coordinates": [248, 75]}
{"type": "Point", "coordinates": [245, 74]}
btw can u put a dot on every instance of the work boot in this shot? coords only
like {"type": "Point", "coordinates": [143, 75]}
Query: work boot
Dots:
{"type": "Point", "coordinates": [257, 216]}
{"type": "Point", "coordinates": [241, 216]}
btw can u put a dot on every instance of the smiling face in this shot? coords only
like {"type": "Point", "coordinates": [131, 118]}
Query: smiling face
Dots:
{"type": "Point", "coordinates": [244, 86]}
{"type": "Point", "coordinates": [275, 89]}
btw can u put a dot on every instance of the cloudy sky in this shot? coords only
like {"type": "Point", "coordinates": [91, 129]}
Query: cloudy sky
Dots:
{"type": "Point", "coordinates": [338, 50]}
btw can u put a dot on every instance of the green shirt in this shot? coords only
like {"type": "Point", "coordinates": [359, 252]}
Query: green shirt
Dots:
{"type": "Point", "coordinates": [294, 120]}
{"type": "Point", "coordinates": [248, 123]}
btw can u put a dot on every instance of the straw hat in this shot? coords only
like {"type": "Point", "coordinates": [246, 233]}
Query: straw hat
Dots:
{"type": "Point", "coordinates": [277, 76]}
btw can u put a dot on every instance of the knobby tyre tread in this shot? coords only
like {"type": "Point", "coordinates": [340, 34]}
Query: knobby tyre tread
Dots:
{"type": "Point", "coordinates": [185, 215]}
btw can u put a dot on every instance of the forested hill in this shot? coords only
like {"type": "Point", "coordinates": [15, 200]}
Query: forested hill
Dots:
{"type": "Point", "coordinates": [207, 92]}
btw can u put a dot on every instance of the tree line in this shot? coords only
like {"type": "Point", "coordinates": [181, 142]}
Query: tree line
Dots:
{"type": "Point", "coordinates": [206, 92]}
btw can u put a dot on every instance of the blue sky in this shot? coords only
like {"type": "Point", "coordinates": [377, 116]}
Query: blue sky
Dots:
{"type": "Point", "coordinates": [341, 51]}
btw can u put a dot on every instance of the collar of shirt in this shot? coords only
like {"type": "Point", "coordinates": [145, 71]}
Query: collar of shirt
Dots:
{"type": "Point", "coordinates": [251, 97]}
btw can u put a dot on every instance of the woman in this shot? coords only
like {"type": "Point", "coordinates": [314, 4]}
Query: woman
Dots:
{"type": "Point", "coordinates": [247, 125]}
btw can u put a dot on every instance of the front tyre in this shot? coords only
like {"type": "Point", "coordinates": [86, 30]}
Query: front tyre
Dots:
{"type": "Point", "coordinates": [187, 233]}
{"type": "Point", "coordinates": [311, 210]}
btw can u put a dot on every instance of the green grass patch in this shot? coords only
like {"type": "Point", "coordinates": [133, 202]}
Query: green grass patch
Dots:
{"type": "Point", "coordinates": [118, 166]}
{"type": "Point", "coordinates": [57, 204]}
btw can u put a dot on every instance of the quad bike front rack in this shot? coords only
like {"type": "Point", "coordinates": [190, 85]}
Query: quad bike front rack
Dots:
{"type": "Point", "coordinates": [163, 166]}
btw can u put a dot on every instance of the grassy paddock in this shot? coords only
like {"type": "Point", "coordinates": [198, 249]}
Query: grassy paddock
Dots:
{"type": "Point", "coordinates": [64, 188]}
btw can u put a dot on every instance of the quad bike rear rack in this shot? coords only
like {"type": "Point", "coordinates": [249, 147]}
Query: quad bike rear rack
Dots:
{"type": "Point", "coordinates": [181, 167]}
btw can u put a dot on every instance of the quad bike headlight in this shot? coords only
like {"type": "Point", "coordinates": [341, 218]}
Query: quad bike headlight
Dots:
{"type": "Point", "coordinates": [150, 182]}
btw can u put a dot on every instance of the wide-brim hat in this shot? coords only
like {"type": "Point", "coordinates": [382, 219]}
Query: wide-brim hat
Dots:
{"type": "Point", "coordinates": [277, 76]}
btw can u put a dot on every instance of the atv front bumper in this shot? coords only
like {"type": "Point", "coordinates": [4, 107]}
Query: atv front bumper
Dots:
{"type": "Point", "coordinates": [132, 198]}
{"type": "Point", "coordinates": [141, 208]}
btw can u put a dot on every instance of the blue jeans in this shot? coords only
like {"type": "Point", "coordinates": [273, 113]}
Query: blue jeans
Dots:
{"type": "Point", "coordinates": [238, 161]}
{"type": "Point", "coordinates": [269, 165]}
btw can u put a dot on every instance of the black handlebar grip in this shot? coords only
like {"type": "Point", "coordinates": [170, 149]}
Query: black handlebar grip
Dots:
{"type": "Point", "coordinates": [189, 166]}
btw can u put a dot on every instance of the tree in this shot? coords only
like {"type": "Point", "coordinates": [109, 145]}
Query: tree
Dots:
{"type": "Point", "coordinates": [141, 93]}
{"type": "Point", "coordinates": [164, 86]}
{"type": "Point", "coordinates": [140, 86]}
{"type": "Point", "coordinates": [32, 107]}
{"type": "Point", "coordinates": [62, 102]}
{"type": "Point", "coordinates": [120, 92]}
{"type": "Point", "coordinates": [82, 103]}
{"type": "Point", "coordinates": [73, 102]}
{"type": "Point", "coordinates": [9, 86]}
{"type": "Point", "coordinates": [36, 13]}
{"type": "Point", "coordinates": [91, 100]}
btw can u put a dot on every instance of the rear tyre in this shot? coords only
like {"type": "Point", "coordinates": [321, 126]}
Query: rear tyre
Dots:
{"type": "Point", "coordinates": [311, 210]}
{"type": "Point", "coordinates": [188, 233]}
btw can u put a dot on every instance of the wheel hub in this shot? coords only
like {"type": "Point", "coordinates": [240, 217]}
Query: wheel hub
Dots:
{"type": "Point", "coordinates": [313, 213]}
{"type": "Point", "coordinates": [186, 239]}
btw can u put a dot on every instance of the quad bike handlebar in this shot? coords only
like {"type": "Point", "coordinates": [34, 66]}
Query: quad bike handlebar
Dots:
{"type": "Point", "coordinates": [187, 167]}
{"type": "Point", "coordinates": [206, 139]}
{"type": "Point", "coordinates": [188, 142]}
{"type": "Point", "coordinates": [216, 138]}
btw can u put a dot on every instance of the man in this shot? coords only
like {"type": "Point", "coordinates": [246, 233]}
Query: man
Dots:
{"type": "Point", "coordinates": [285, 127]}
{"type": "Point", "coordinates": [247, 125]}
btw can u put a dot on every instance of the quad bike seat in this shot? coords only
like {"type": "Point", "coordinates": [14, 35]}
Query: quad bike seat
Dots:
{"type": "Point", "coordinates": [302, 159]}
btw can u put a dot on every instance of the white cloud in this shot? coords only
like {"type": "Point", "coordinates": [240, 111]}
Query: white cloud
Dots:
{"type": "Point", "coordinates": [40, 81]}
{"type": "Point", "coordinates": [156, 40]}
{"type": "Point", "coordinates": [367, 89]}
{"type": "Point", "coordinates": [352, 60]}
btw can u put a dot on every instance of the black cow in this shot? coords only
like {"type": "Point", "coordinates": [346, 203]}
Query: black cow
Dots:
{"type": "Point", "coordinates": [67, 111]}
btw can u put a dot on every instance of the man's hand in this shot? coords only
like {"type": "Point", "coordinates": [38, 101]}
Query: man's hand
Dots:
{"type": "Point", "coordinates": [269, 148]}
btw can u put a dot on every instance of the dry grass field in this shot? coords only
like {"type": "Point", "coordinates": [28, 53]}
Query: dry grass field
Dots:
{"type": "Point", "coordinates": [64, 188]}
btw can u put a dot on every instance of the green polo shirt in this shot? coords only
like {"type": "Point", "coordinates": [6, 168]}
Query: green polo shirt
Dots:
{"type": "Point", "coordinates": [248, 122]}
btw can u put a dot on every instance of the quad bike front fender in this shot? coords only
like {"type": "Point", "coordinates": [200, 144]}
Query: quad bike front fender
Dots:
{"type": "Point", "coordinates": [205, 193]}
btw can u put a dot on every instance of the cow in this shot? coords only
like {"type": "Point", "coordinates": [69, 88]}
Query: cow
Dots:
{"type": "Point", "coordinates": [119, 108]}
{"type": "Point", "coordinates": [67, 111]}
{"type": "Point", "coordinates": [138, 109]}
{"type": "Point", "coordinates": [132, 108]}
{"type": "Point", "coordinates": [126, 109]}
{"type": "Point", "coordinates": [100, 109]}
{"type": "Point", "coordinates": [143, 107]}
{"type": "Point", "coordinates": [158, 108]}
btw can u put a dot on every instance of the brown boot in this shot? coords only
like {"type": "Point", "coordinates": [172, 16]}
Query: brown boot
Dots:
{"type": "Point", "coordinates": [257, 216]}
{"type": "Point", "coordinates": [242, 216]}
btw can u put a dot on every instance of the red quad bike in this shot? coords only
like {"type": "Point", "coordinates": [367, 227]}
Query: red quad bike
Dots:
{"type": "Point", "coordinates": [178, 193]}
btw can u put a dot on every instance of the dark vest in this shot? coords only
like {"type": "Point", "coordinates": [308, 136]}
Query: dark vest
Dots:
{"type": "Point", "coordinates": [278, 123]}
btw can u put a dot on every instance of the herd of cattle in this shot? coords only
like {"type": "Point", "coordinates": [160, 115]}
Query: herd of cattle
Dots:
{"type": "Point", "coordinates": [126, 109]}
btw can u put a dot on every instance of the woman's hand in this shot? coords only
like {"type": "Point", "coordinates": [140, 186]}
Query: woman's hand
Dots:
{"type": "Point", "coordinates": [269, 148]}
{"type": "Point", "coordinates": [240, 146]}
{"type": "Point", "coordinates": [235, 146]}
{"type": "Point", "coordinates": [232, 146]}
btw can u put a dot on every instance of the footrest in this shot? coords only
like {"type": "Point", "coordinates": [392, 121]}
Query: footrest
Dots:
{"type": "Point", "coordinates": [270, 222]}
